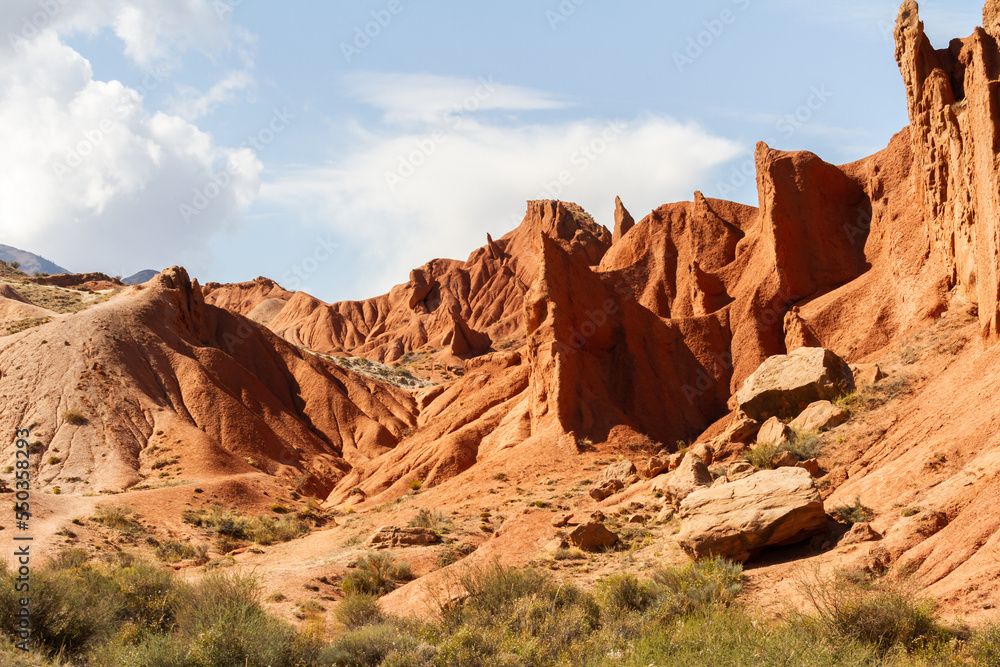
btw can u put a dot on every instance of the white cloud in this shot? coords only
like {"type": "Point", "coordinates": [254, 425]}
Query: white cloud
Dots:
{"type": "Point", "coordinates": [428, 98]}
{"type": "Point", "coordinates": [475, 178]}
{"type": "Point", "coordinates": [193, 105]}
{"type": "Point", "coordinates": [153, 31]}
{"type": "Point", "coordinates": [90, 176]}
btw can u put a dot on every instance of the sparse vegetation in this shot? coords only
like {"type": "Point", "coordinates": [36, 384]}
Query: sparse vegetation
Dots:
{"type": "Point", "coordinates": [805, 446]}
{"type": "Point", "coordinates": [435, 520]}
{"type": "Point", "coordinates": [125, 611]}
{"type": "Point", "coordinates": [233, 528]}
{"type": "Point", "coordinates": [415, 485]}
{"type": "Point", "coordinates": [852, 514]}
{"type": "Point", "coordinates": [376, 574]}
{"type": "Point", "coordinates": [25, 324]}
{"type": "Point", "coordinates": [877, 614]}
{"type": "Point", "coordinates": [117, 517]}
{"type": "Point", "coordinates": [173, 551]}
{"type": "Point", "coordinates": [358, 610]}
{"type": "Point", "coordinates": [760, 455]}
{"type": "Point", "coordinates": [74, 417]}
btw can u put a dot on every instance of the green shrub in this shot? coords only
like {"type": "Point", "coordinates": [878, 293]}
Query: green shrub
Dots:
{"type": "Point", "coordinates": [173, 551]}
{"type": "Point", "coordinates": [369, 646]}
{"type": "Point", "coordinates": [359, 609]}
{"type": "Point", "coordinates": [436, 521]}
{"type": "Point", "coordinates": [234, 527]}
{"type": "Point", "coordinates": [852, 514]}
{"type": "Point", "coordinates": [986, 646]}
{"type": "Point", "coordinates": [699, 584]}
{"type": "Point", "coordinates": [760, 455]}
{"type": "Point", "coordinates": [416, 484]}
{"type": "Point", "coordinates": [883, 616]}
{"type": "Point", "coordinates": [118, 517]}
{"type": "Point", "coordinates": [53, 460]}
{"type": "Point", "coordinates": [376, 574]}
{"type": "Point", "coordinates": [804, 444]}
{"type": "Point", "coordinates": [625, 592]}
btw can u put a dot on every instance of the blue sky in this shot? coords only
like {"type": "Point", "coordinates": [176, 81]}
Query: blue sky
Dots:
{"type": "Point", "coordinates": [334, 146]}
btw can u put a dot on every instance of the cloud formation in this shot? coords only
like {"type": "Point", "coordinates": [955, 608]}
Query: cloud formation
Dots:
{"type": "Point", "coordinates": [408, 194]}
{"type": "Point", "coordinates": [90, 177]}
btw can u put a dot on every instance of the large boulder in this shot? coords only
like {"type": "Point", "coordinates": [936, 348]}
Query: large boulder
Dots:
{"type": "Point", "coordinates": [819, 416]}
{"type": "Point", "coordinates": [786, 384]}
{"type": "Point", "coordinates": [736, 520]}
{"type": "Point", "coordinates": [592, 537]}
{"type": "Point", "coordinates": [775, 432]}
{"type": "Point", "coordinates": [621, 470]}
{"type": "Point", "coordinates": [691, 475]}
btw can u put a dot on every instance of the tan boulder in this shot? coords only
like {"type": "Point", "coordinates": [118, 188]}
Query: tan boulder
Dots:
{"type": "Point", "coordinates": [592, 536]}
{"type": "Point", "coordinates": [689, 477]}
{"type": "Point", "coordinates": [859, 532]}
{"type": "Point", "coordinates": [705, 451]}
{"type": "Point", "coordinates": [561, 520]}
{"type": "Point", "coordinates": [739, 470]}
{"type": "Point", "coordinates": [812, 466]}
{"type": "Point", "coordinates": [744, 430]}
{"type": "Point", "coordinates": [620, 470]}
{"type": "Point", "coordinates": [387, 537]}
{"type": "Point", "coordinates": [774, 431]}
{"type": "Point", "coordinates": [786, 383]}
{"type": "Point", "coordinates": [784, 460]}
{"type": "Point", "coordinates": [819, 416]}
{"type": "Point", "coordinates": [739, 519]}
{"type": "Point", "coordinates": [606, 489]}
{"type": "Point", "coordinates": [674, 461]}
{"type": "Point", "coordinates": [654, 466]}
{"type": "Point", "coordinates": [865, 375]}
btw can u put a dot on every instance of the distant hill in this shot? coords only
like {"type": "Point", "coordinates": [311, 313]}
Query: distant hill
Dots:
{"type": "Point", "coordinates": [30, 262]}
{"type": "Point", "coordinates": [141, 277]}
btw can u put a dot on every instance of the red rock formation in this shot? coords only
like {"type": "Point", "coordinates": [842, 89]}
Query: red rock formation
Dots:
{"type": "Point", "coordinates": [623, 221]}
{"type": "Point", "coordinates": [955, 133]}
{"type": "Point", "coordinates": [158, 367]}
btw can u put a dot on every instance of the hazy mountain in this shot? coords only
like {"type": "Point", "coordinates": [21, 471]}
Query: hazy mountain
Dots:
{"type": "Point", "coordinates": [30, 262]}
{"type": "Point", "coordinates": [141, 277]}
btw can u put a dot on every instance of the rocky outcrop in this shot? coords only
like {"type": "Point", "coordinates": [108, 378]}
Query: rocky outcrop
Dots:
{"type": "Point", "coordinates": [739, 519]}
{"type": "Point", "coordinates": [388, 537]}
{"type": "Point", "coordinates": [955, 133]}
{"type": "Point", "coordinates": [785, 385]}
{"type": "Point", "coordinates": [623, 221]}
